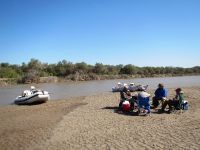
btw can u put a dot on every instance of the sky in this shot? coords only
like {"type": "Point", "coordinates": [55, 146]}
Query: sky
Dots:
{"type": "Point", "coordinates": [137, 32]}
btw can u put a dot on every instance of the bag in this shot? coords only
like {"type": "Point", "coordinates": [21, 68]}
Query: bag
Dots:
{"type": "Point", "coordinates": [126, 106]}
{"type": "Point", "coordinates": [185, 105]}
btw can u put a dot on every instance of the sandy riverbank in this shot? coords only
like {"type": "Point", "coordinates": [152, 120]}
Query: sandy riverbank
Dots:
{"type": "Point", "coordinates": [91, 123]}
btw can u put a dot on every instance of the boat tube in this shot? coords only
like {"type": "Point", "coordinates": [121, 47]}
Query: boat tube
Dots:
{"type": "Point", "coordinates": [32, 97]}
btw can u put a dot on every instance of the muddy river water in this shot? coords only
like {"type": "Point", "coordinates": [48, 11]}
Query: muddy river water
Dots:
{"type": "Point", "coordinates": [74, 89]}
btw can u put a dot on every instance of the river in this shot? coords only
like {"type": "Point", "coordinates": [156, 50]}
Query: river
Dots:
{"type": "Point", "coordinates": [74, 89]}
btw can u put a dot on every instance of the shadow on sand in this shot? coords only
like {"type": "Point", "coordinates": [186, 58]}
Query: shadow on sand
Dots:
{"type": "Point", "coordinates": [31, 104]}
{"type": "Point", "coordinates": [118, 111]}
{"type": "Point", "coordinates": [132, 113]}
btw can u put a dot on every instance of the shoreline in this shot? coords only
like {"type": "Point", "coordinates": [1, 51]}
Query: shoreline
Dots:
{"type": "Point", "coordinates": [90, 122]}
{"type": "Point", "coordinates": [6, 82]}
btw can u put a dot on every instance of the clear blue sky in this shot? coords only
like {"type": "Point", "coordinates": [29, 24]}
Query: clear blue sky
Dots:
{"type": "Point", "coordinates": [138, 32]}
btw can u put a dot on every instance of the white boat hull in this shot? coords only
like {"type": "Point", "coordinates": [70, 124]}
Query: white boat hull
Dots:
{"type": "Point", "coordinates": [38, 97]}
{"type": "Point", "coordinates": [137, 88]}
{"type": "Point", "coordinates": [117, 89]}
{"type": "Point", "coordinates": [132, 88]}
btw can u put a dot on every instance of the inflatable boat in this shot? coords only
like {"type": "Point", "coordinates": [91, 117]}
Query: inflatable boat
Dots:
{"type": "Point", "coordinates": [119, 87]}
{"type": "Point", "coordinates": [32, 97]}
{"type": "Point", "coordinates": [132, 87]}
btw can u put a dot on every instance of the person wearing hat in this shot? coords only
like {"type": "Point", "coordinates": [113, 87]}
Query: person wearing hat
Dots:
{"type": "Point", "coordinates": [33, 89]}
{"type": "Point", "coordinates": [124, 94]}
{"type": "Point", "coordinates": [175, 102]}
{"type": "Point", "coordinates": [160, 95]}
{"type": "Point", "coordinates": [143, 101]}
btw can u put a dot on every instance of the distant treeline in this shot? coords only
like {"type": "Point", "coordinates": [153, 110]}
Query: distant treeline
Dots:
{"type": "Point", "coordinates": [34, 70]}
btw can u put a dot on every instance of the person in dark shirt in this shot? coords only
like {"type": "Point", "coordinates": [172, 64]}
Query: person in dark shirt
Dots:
{"type": "Point", "coordinates": [160, 95]}
{"type": "Point", "coordinates": [124, 94]}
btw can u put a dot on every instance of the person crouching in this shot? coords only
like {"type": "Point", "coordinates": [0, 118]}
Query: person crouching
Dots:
{"type": "Point", "coordinates": [176, 102]}
{"type": "Point", "coordinates": [144, 104]}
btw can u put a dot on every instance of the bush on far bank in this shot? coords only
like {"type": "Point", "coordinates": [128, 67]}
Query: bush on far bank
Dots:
{"type": "Point", "coordinates": [64, 70]}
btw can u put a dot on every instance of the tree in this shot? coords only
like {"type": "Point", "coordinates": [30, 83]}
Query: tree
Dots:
{"type": "Point", "coordinates": [8, 73]}
{"type": "Point", "coordinates": [31, 76]}
{"type": "Point", "coordinates": [4, 65]}
{"type": "Point", "coordinates": [196, 69]}
{"type": "Point", "coordinates": [35, 64]}
{"type": "Point", "coordinates": [32, 71]}
{"type": "Point", "coordinates": [81, 67]}
{"type": "Point", "coordinates": [64, 68]}
{"type": "Point", "coordinates": [129, 69]}
{"type": "Point", "coordinates": [99, 68]}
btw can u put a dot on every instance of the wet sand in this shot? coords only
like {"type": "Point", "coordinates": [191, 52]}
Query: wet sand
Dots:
{"type": "Point", "coordinates": [91, 122]}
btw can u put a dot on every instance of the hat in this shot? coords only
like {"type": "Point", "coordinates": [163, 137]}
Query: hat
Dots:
{"type": "Point", "coordinates": [32, 87]}
{"type": "Point", "coordinates": [178, 90]}
{"type": "Point", "coordinates": [144, 94]}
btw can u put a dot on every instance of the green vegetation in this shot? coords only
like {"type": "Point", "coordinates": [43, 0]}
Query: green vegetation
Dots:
{"type": "Point", "coordinates": [34, 70]}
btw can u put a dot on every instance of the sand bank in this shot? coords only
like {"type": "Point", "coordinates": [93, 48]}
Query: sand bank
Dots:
{"type": "Point", "coordinates": [91, 123]}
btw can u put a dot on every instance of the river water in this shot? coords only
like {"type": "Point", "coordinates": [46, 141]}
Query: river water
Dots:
{"type": "Point", "coordinates": [68, 90]}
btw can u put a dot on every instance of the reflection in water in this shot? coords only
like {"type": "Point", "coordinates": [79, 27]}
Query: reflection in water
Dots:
{"type": "Point", "coordinates": [67, 90]}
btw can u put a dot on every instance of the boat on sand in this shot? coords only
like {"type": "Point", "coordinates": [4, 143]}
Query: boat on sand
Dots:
{"type": "Point", "coordinates": [132, 87]}
{"type": "Point", "coordinates": [32, 96]}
